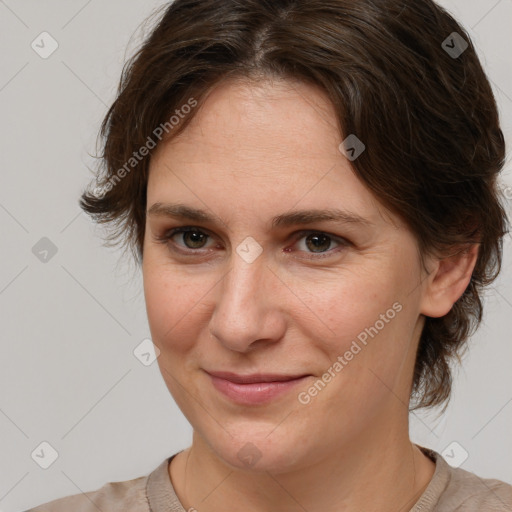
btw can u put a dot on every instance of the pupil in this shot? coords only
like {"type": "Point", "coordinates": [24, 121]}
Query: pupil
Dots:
{"type": "Point", "coordinates": [196, 239]}
{"type": "Point", "coordinates": [321, 242]}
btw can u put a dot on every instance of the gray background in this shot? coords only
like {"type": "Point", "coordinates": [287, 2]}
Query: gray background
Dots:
{"type": "Point", "coordinates": [68, 375]}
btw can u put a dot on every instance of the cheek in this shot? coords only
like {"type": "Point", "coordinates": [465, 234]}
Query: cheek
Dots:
{"type": "Point", "coordinates": [173, 303]}
{"type": "Point", "coordinates": [364, 320]}
{"type": "Point", "coordinates": [348, 304]}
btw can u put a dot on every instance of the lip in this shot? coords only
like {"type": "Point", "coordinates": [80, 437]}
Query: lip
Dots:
{"type": "Point", "coordinates": [255, 388]}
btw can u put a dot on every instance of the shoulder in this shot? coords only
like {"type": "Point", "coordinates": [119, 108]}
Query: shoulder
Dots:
{"type": "Point", "coordinates": [468, 492]}
{"type": "Point", "coordinates": [127, 496]}
{"type": "Point", "coordinates": [457, 490]}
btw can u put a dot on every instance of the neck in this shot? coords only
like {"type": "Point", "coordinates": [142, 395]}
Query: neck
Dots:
{"type": "Point", "coordinates": [381, 470]}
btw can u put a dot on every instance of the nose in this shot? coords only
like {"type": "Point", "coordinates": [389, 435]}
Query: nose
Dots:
{"type": "Point", "coordinates": [249, 306]}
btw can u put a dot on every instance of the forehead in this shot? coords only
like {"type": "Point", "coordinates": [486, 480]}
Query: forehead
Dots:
{"type": "Point", "coordinates": [241, 119]}
{"type": "Point", "coordinates": [271, 143]}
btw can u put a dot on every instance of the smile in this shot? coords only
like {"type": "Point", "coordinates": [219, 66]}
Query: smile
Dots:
{"type": "Point", "coordinates": [254, 389]}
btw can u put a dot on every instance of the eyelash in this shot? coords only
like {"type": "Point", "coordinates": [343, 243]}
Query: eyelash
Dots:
{"type": "Point", "coordinates": [166, 239]}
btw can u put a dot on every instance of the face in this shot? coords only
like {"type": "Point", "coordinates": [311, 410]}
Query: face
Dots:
{"type": "Point", "coordinates": [266, 259]}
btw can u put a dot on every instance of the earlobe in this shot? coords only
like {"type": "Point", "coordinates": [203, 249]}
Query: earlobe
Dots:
{"type": "Point", "coordinates": [448, 281]}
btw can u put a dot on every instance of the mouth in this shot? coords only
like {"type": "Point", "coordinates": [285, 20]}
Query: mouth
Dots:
{"type": "Point", "coordinates": [254, 389]}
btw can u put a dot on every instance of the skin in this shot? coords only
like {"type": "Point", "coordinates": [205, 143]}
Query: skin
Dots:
{"type": "Point", "coordinates": [255, 150]}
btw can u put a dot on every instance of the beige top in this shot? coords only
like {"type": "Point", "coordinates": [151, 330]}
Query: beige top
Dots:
{"type": "Point", "coordinates": [450, 490]}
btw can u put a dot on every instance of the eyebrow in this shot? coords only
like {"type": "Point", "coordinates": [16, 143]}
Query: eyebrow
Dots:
{"type": "Point", "coordinates": [182, 212]}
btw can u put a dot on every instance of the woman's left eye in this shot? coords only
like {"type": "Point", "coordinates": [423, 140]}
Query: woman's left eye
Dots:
{"type": "Point", "coordinates": [317, 242]}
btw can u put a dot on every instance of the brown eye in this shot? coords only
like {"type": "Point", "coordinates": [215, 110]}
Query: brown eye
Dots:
{"type": "Point", "coordinates": [185, 238]}
{"type": "Point", "coordinates": [318, 242]}
{"type": "Point", "coordinates": [194, 239]}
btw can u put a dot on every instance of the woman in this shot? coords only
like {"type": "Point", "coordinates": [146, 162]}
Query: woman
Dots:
{"type": "Point", "coordinates": [310, 187]}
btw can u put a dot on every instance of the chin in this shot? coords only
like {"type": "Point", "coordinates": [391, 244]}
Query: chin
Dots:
{"type": "Point", "coordinates": [259, 449]}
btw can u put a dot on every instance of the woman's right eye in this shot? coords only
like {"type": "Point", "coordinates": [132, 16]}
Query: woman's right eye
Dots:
{"type": "Point", "coordinates": [191, 238]}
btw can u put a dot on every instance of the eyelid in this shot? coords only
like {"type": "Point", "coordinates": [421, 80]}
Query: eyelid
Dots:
{"type": "Point", "coordinates": [341, 241]}
{"type": "Point", "coordinates": [167, 236]}
{"type": "Point", "coordinates": [300, 234]}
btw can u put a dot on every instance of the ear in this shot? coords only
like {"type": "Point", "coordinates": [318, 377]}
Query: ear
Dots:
{"type": "Point", "coordinates": [447, 281]}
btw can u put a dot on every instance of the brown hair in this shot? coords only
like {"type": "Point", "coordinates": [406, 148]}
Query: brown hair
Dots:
{"type": "Point", "coordinates": [427, 116]}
